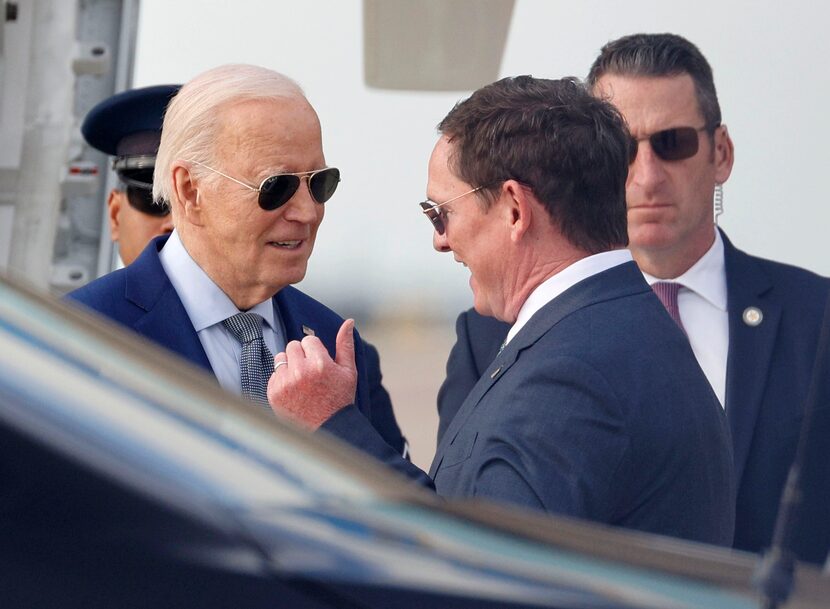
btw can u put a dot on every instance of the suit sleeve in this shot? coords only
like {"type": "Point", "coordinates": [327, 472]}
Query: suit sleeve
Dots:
{"type": "Point", "coordinates": [369, 424]}
{"type": "Point", "coordinates": [381, 414]}
{"type": "Point", "coordinates": [477, 342]}
{"type": "Point", "coordinates": [352, 427]}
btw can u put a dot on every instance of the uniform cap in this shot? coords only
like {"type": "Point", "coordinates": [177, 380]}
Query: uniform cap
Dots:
{"type": "Point", "coordinates": [129, 123]}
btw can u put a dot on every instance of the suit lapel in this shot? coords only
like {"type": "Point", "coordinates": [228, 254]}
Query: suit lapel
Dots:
{"type": "Point", "coordinates": [750, 347]}
{"type": "Point", "coordinates": [165, 320]}
{"type": "Point", "coordinates": [616, 282]}
{"type": "Point", "coordinates": [299, 320]}
{"type": "Point", "coordinates": [492, 374]}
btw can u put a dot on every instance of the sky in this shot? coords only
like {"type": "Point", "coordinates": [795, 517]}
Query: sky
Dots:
{"type": "Point", "coordinates": [374, 251]}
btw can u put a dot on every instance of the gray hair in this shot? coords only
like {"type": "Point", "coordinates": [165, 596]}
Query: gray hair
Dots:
{"type": "Point", "coordinates": [190, 127]}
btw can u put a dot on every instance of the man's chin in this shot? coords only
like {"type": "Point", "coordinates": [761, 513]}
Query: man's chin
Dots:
{"type": "Point", "coordinates": [650, 237]}
{"type": "Point", "coordinates": [287, 277]}
{"type": "Point", "coordinates": [486, 309]}
{"type": "Point", "coordinates": [482, 310]}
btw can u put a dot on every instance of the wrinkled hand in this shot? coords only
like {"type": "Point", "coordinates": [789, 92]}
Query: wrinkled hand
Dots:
{"type": "Point", "coordinates": [311, 387]}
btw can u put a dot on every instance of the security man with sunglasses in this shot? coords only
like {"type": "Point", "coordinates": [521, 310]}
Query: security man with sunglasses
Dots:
{"type": "Point", "coordinates": [240, 166]}
{"type": "Point", "coordinates": [128, 127]}
{"type": "Point", "coordinates": [753, 324]}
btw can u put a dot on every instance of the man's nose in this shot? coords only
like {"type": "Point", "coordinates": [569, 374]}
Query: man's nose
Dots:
{"type": "Point", "coordinates": [439, 241]}
{"type": "Point", "coordinates": [647, 169]}
{"type": "Point", "coordinates": [302, 207]}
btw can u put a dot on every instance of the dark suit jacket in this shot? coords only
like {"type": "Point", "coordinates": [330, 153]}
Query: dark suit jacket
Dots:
{"type": "Point", "coordinates": [768, 372]}
{"type": "Point", "coordinates": [142, 298]}
{"type": "Point", "coordinates": [597, 409]}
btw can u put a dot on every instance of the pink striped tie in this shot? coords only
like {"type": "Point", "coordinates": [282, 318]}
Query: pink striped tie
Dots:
{"type": "Point", "coordinates": [667, 293]}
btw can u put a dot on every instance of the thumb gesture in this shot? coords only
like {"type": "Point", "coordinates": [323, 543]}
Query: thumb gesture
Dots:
{"type": "Point", "coordinates": [344, 346]}
{"type": "Point", "coordinates": [309, 386]}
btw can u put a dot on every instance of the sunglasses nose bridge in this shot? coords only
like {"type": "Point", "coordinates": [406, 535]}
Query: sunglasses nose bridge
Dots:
{"type": "Point", "coordinates": [433, 215]}
{"type": "Point", "coordinates": [647, 166]}
{"type": "Point", "coordinates": [301, 205]}
{"type": "Point", "coordinates": [307, 188]}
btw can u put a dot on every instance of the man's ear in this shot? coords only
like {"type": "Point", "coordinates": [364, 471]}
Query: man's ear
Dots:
{"type": "Point", "coordinates": [114, 203]}
{"type": "Point", "coordinates": [724, 154]}
{"type": "Point", "coordinates": [186, 194]}
{"type": "Point", "coordinates": [518, 208]}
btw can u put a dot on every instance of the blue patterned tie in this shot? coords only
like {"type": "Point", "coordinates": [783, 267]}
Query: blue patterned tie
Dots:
{"type": "Point", "coordinates": [257, 363]}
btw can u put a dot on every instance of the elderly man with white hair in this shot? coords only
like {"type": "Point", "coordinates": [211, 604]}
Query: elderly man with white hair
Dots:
{"type": "Point", "coordinates": [241, 166]}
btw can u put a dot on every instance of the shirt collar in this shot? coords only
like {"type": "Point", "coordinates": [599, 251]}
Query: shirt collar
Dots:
{"type": "Point", "coordinates": [564, 279]}
{"type": "Point", "coordinates": [706, 277]}
{"type": "Point", "coordinates": [206, 304]}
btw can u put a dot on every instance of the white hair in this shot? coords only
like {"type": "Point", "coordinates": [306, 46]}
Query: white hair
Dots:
{"type": "Point", "coordinates": [190, 122]}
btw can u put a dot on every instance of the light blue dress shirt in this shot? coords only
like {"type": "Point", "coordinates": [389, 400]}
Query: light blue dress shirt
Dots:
{"type": "Point", "coordinates": [208, 306]}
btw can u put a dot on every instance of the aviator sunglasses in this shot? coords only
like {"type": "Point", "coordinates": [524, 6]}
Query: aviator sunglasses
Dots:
{"type": "Point", "coordinates": [436, 215]}
{"type": "Point", "coordinates": [670, 144]}
{"type": "Point", "coordinates": [275, 191]}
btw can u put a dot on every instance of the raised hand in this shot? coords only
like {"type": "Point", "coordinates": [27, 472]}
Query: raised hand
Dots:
{"type": "Point", "coordinates": [307, 385]}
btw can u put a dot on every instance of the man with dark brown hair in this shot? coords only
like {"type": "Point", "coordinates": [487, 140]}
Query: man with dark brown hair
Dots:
{"type": "Point", "coordinates": [752, 323]}
{"type": "Point", "coordinates": [595, 407]}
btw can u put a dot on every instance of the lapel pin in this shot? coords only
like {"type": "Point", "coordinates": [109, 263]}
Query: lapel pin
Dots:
{"type": "Point", "coordinates": [308, 331]}
{"type": "Point", "coordinates": [495, 372]}
{"type": "Point", "coordinates": [753, 316]}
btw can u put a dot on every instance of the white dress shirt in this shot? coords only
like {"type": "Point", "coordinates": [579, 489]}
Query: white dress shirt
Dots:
{"type": "Point", "coordinates": [208, 306]}
{"type": "Point", "coordinates": [702, 304]}
{"type": "Point", "coordinates": [564, 279]}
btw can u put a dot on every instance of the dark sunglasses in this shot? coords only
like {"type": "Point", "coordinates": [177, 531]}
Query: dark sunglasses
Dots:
{"type": "Point", "coordinates": [436, 215]}
{"type": "Point", "coordinates": [670, 144]}
{"type": "Point", "coordinates": [141, 199]}
{"type": "Point", "coordinates": [275, 191]}
{"type": "Point", "coordinates": [138, 183]}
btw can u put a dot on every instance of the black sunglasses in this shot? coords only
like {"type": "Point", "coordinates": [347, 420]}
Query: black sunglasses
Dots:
{"type": "Point", "coordinates": [670, 144]}
{"type": "Point", "coordinates": [275, 191]}
{"type": "Point", "coordinates": [141, 200]}
{"type": "Point", "coordinates": [139, 189]}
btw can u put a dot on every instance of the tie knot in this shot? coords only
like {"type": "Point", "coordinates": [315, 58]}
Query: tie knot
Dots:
{"type": "Point", "coordinates": [246, 327]}
{"type": "Point", "coordinates": [667, 293]}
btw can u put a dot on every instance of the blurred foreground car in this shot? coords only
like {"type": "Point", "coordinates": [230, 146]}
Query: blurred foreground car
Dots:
{"type": "Point", "coordinates": [130, 479]}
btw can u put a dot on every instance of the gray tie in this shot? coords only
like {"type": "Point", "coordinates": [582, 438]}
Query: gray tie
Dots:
{"type": "Point", "coordinates": [257, 362]}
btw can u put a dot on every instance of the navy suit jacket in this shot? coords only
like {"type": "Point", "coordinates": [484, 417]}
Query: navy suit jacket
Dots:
{"type": "Point", "coordinates": [597, 409]}
{"type": "Point", "coordinates": [141, 297]}
{"type": "Point", "coordinates": [768, 374]}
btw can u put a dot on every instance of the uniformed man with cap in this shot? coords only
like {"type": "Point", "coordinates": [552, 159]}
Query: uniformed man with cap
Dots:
{"type": "Point", "coordinates": [128, 127]}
